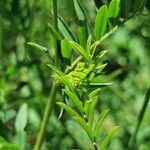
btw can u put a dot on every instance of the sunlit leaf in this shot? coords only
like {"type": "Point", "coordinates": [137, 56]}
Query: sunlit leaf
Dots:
{"type": "Point", "coordinates": [66, 48]}
{"type": "Point", "coordinates": [101, 22]}
{"type": "Point", "coordinates": [94, 93]}
{"type": "Point", "coordinates": [114, 7]}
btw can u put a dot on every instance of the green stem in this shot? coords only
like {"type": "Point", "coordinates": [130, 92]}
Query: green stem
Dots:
{"type": "Point", "coordinates": [47, 113]}
{"type": "Point", "coordinates": [140, 118]}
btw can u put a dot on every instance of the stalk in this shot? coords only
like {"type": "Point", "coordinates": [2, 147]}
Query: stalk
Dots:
{"type": "Point", "coordinates": [47, 113]}
{"type": "Point", "coordinates": [140, 118]}
{"type": "Point", "coordinates": [50, 103]}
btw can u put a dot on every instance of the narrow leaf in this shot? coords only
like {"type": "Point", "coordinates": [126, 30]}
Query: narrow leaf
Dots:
{"type": "Point", "coordinates": [80, 50]}
{"type": "Point", "coordinates": [66, 48]}
{"type": "Point", "coordinates": [68, 109]}
{"type": "Point", "coordinates": [101, 22]}
{"type": "Point", "coordinates": [107, 138]}
{"type": "Point", "coordinates": [39, 47]}
{"type": "Point", "coordinates": [85, 127]}
{"type": "Point", "coordinates": [75, 100]}
{"type": "Point", "coordinates": [114, 7]}
{"type": "Point", "coordinates": [94, 93]}
{"type": "Point", "coordinates": [99, 123]}
{"type": "Point", "coordinates": [64, 29]}
{"type": "Point", "coordinates": [79, 10]}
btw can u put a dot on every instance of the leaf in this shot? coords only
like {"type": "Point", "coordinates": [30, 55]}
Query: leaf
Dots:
{"type": "Point", "coordinates": [107, 138]}
{"type": "Point", "coordinates": [88, 45]}
{"type": "Point", "coordinates": [54, 32]}
{"type": "Point", "coordinates": [82, 35]}
{"type": "Point", "coordinates": [99, 123]}
{"type": "Point", "coordinates": [66, 48]}
{"type": "Point", "coordinates": [21, 118]}
{"type": "Point", "coordinates": [80, 50]}
{"type": "Point", "coordinates": [75, 100]}
{"type": "Point", "coordinates": [85, 126]}
{"type": "Point", "coordinates": [64, 29]}
{"type": "Point", "coordinates": [87, 107]}
{"type": "Point", "coordinates": [58, 71]}
{"type": "Point", "coordinates": [41, 48]}
{"type": "Point", "coordinates": [101, 22]}
{"type": "Point", "coordinates": [94, 93]}
{"type": "Point", "coordinates": [114, 7]}
{"type": "Point", "coordinates": [95, 85]}
{"type": "Point", "coordinates": [79, 10]}
{"type": "Point", "coordinates": [91, 112]}
{"type": "Point", "coordinates": [68, 109]}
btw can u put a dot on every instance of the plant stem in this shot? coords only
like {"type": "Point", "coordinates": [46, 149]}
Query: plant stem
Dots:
{"type": "Point", "coordinates": [47, 113]}
{"type": "Point", "coordinates": [140, 118]}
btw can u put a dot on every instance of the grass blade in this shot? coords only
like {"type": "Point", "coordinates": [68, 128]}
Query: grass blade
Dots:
{"type": "Point", "coordinates": [41, 48]}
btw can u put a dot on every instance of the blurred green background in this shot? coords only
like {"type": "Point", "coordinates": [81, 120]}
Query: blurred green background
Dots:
{"type": "Point", "coordinates": [25, 79]}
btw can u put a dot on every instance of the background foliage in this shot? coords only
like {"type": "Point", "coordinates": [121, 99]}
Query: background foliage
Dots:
{"type": "Point", "coordinates": [25, 80]}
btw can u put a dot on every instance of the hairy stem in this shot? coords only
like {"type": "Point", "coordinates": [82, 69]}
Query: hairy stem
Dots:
{"type": "Point", "coordinates": [47, 113]}
{"type": "Point", "coordinates": [140, 118]}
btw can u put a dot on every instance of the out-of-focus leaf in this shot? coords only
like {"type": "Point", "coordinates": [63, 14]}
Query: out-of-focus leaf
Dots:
{"type": "Point", "coordinates": [79, 10]}
{"type": "Point", "coordinates": [114, 7]}
{"type": "Point", "coordinates": [64, 29]}
{"type": "Point", "coordinates": [75, 100]}
{"type": "Point", "coordinates": [68, 109]}
{"type": "Point", "coordinates": [39, 47]}
{"type": "Point", "coordinates": [99, 123]}
{"type": "Point", "coordinates": [82, 34]}
{"type": "Point", "coordinates": [66, 48]}
{"type": "Point", "coordinates": [88, 45]}
{"type": "Point", "coordinates": [107, 138]}
{"type": "Point", "coordinates": [80, 50]}
{"type": "Point", "coordinates": [21, 119]}
{"type": "Point", "coordinates": [101, 22]}
{"type": "Point", "coordinates": [95, 85]}
{"type": "Point", "coordinates": [85, 126]}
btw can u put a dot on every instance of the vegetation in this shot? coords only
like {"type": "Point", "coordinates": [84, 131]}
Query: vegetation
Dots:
{"type": "Point", "coordinates": [74, 75]}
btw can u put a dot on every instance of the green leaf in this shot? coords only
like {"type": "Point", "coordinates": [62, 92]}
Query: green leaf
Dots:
{"type": "Point", "coordinates": [107, 138]}
{"type": "Point", "coordinates": [75, 100]}
{"type": "Point", "coordinates": [101, 22]}
{"type": "Point", "coordinates": [99, 123]}
{"type": "Point", "coordinates": [88, 45]}
{"type": "Point", "coordinates": [114, 7]}
{"type": "Point", "coordinates": [91, 112]}
{"type": "Point", "coordinates": [87, 107]}
{"type": "Point", "coordinates": [58, 71]}
{"type": "Point", "coordinates": [68, 109]}
{"type": "Point", "coordinates": [21, 119]}
{"type": "Point", "coordinates": [54, 32]}
{"type": "Point", "coordinates": [64, 29]}
{"type": "Point", "coordinates": [79, 10]}
{"type": "Point", "coordinates": [39, 47]}
{"type": "Point", "coordinates": [80, 50]}
{"type": "Point", "coordinates": [94, 93]}
{"type": "Point", "coordinates": [95, 85]}
{"type": "Point", "coordinates": [85, 126]}
{"type": "Point", "coordinates": [82, 35]}
{"type": "Point", "coordinates": [66, 48]}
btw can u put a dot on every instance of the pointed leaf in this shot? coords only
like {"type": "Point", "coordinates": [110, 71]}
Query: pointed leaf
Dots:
{"type": "Point", "coordinates": [66, 48]}
{"type": "Point", "coordinates": [85, 126]}
{"type": "Point", "coordinates": [75, 100]}
{"type": "Point", "coordinates": [94, 93]}
{"type": "Point", "coordinates": [99, 123]}
{"type": "Point", "coordinates": [87, 107]}
{"type": "Point", "coordinates": [114, 7]}
{"type": "Point", "coordinates": [88, 45]}
{"type": "Point", "coordinates": [68, 109]}
{"type": "Point", "coordinates": [79, 10]}
{"type": "Point", "coordinates": [64, 29]}
{"type": "Point", "coordinates": [41, 48]}
{"type": "Point", "coordinates": [107, 138]}
{"type": "Point", "coordinates": [80, 50]}
{"type": "Point", "coordinates": [101, 22]}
